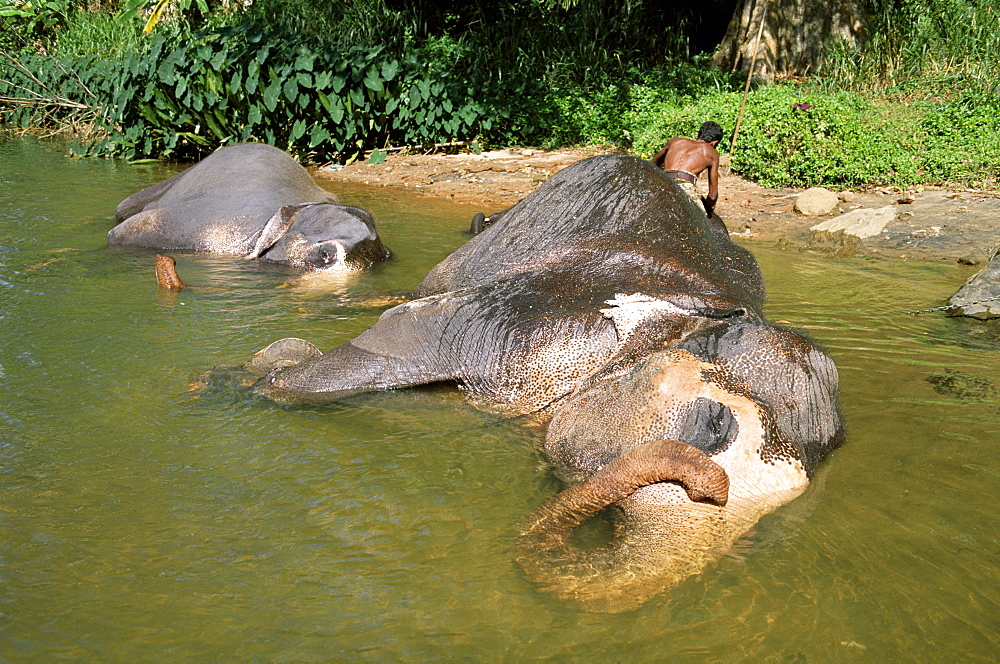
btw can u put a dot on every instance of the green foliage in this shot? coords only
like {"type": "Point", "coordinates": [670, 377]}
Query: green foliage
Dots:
{"type": "Point", "coordinates": [57, 92]}
{"type": "Point", "coordinates": [189, 96]}
{"type": "Point", "coordinates": [961, 141]}
{"type": "Point", "coordinates": [792, 137]}
{"type": "Point", "coordinates": [98, 34]}
{"type": "Point", "coordinates": [657, 116]}
{"type": "Point", "coordinates": [932, 45]}
{"type": "Point", "coordinates": [328, 79]}
{"type": "Point", "coordinates": [25, 22]}
{"type": "Point", "coordinates": [156, 8]}
{"type": "Point", "coordinates": [334, 23]}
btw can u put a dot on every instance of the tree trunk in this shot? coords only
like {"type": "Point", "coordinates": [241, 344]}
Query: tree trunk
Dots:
{"type": "Point", "coordinates": [795, 38]}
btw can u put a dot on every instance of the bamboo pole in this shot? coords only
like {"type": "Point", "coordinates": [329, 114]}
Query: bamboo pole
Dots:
{"type": "Point", "coordinates": [746, 89]}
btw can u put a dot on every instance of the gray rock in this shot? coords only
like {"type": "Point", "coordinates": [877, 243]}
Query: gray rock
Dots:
{"type": "Point", "coordinates": [816, 202]}
{"type": "Point", "coordinates": [980, 296]}
{"type": "Point", "coordinates": [863, 222]}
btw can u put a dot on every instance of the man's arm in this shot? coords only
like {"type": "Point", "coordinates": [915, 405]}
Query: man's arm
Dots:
{"type": "Point", "coordinates": [660, 156]}
{"type": "Point", "coordinates": [713, 181]}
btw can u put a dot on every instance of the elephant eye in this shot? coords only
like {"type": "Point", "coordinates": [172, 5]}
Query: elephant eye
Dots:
{"type": "Point", "coordinates": [708, 425]}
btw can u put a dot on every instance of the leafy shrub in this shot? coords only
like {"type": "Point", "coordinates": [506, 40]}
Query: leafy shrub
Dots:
{"type": "Point", "coordinates": [24, 23]}
{"type": "Point", "coordinates": [55, 92]}
{"type": "Point", "coordinates": [98, 34]}
{"type": "Point", "coordinates": [793, 137]}
{"type": "Point", "coordinates": [961, 141]}
{"type": "Point", "coordinates": [187, 98]}
{"type": "Point", "coordinates": [658, 115]}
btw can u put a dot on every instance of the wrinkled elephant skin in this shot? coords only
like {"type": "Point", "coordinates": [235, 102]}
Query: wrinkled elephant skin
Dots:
{"type": "Point", "coordinates": [252, 200]}
{"type": "Point", "coordinates": [607, 299]}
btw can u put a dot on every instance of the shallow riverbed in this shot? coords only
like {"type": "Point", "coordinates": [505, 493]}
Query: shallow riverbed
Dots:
{"type": "Point", "coordinates": [142, 520]}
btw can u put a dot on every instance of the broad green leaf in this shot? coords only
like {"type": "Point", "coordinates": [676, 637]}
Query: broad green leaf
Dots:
{"type": "Point", "coordinates": [304, 61]}
{"type": "Point", "coordinates": [271, 96]}
{"type": "Point", "coordinates": [338, 84]}
{"type": "Point", "coordinates": [318, 135]}
{"type": "Point", "coordinates": [376, 157]}
{"type": "Point", "coordinates": [389, 69]}
{"type": "Point", "coordinates": [253, 116]}
{"type": "Point", "coordinates": [217, 60]}
{"type": "Point", "coordinates": [357, 96]}
{"type": "Point", "coordinates": [337, 112]}
{"type": "Point", "coordinates": [291, 89]}
{"type": "Point", "coordinates": [236, 81]}
{"type": "Point", "coordinates": [215, 123]}
{"type": "Point", "coordinates": [166, 72]}
{"type": "Point", "coordinates": [372, 79]}
{"type": "Point", "coordinates": [298, 129]}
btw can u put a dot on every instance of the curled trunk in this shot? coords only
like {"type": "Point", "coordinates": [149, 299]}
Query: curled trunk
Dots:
{"type": "Point", "coordinates": [657, 546]}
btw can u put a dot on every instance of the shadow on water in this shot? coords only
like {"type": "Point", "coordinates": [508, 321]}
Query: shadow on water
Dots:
{"type": "Point", "coordinates": [143, 519]}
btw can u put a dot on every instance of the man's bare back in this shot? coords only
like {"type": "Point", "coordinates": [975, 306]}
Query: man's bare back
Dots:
{"type": "Point", "coordinates": [685, 159]}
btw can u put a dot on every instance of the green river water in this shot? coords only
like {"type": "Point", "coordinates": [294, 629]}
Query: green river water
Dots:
{"type": "Point", "coordinates": [144, 521]}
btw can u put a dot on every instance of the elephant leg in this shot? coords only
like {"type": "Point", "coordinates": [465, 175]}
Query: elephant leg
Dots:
{"type": "Point", "coordinates": [348, 370]}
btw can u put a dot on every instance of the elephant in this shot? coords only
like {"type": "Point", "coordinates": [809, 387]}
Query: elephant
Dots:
{"type": "Point", "coordinates": [252, 200]}
{"type": "Point", "coordinates": [607, 304]}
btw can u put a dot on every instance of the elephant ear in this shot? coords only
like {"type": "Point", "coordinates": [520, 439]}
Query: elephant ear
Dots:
{"type": "Point", "coordinates": [275, 228]}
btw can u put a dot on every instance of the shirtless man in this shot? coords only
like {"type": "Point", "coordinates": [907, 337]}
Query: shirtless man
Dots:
{"type": "Point", "coordinates": [684, 159]}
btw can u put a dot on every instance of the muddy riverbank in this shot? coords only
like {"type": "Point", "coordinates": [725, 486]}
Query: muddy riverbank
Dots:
{"type": "Point", "coordinates": [930, 223]}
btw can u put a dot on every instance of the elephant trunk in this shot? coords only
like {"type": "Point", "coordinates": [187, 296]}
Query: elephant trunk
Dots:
{"type": "Point", "coordinates": [166, 273]}
{"type": "Point", "coordinates": [605, 579]}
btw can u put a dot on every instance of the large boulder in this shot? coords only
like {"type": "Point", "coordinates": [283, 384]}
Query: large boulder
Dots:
{"type": "Point", "coordinates": [863, 222]}
{"type": "Point", "coordinates": [816, 202]}
{"type": "Point", "coordinates": [979, 297]}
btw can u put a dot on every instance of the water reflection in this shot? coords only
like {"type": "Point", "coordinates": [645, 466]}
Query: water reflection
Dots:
{"type": "Point", "coordinates": [139, 520]}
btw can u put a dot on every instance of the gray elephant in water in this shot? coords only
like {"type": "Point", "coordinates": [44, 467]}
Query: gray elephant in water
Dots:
{"type": "Point", "coordinates": [252, 200]}
{"type": "Point", "coordinates": [607, 301]}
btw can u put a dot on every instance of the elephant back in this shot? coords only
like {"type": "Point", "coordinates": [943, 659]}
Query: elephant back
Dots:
{"type": "Point", "coordinates": [612, 206]}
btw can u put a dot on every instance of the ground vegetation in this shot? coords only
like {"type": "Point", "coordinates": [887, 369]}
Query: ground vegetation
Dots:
{"type": "Point", "coordinates": [908, 95]}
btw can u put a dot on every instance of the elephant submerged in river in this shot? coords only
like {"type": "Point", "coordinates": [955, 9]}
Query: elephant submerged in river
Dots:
{"type": "Point", "coordinates": [607, 300]}
{"type": "Point", "coordinates": [252, 200]}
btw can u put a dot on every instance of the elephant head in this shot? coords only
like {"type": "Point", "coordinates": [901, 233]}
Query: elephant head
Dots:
{"type": "Point", "coordinates": [320, 236]}
{"type": "Point", "coordinates": [693, 444]}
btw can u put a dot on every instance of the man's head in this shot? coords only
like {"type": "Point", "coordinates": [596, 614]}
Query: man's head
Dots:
{"type": "Point", "coordinates": [710, 132]}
